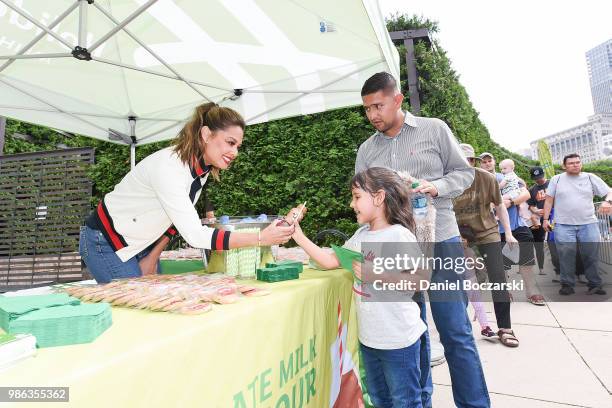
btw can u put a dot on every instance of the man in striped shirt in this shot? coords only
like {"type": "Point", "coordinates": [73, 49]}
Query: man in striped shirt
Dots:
{"type": "Point", "coordinates": [427, 149]}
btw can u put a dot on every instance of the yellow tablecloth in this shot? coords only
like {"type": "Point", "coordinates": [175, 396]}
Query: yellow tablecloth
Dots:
{"type": "Point", "coordinates": [280, 350]}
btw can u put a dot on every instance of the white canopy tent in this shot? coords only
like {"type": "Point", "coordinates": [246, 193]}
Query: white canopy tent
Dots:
{"type": "Point", "coordinates": [131, 71]}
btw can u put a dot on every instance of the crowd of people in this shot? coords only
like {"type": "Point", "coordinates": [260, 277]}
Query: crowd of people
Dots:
{"type": "Point", "coordinates": [475, 205]}
{"type": "Point", "coordinates": [477, 211]}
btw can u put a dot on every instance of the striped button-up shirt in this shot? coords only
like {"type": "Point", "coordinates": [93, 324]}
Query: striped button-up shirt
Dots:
{"type": "Point", "coordinates": [426, 149]}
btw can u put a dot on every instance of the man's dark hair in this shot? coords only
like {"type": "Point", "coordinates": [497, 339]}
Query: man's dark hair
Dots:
{"type": "Point", "coordinates": [381, 81]}
{"type": "Point", "coordinates": [570, 156]}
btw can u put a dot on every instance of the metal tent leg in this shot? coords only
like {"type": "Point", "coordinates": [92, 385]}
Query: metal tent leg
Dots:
{"type": "Point", "coordinates": [132, 155]}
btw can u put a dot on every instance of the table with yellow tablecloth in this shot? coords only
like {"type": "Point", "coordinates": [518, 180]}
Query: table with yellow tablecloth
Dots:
{"type": "Point", "coordinates": [296, 347]}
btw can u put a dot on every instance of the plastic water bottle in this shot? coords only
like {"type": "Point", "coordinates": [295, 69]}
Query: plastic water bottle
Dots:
{"type": "Point", "coordinates": [419, 203]}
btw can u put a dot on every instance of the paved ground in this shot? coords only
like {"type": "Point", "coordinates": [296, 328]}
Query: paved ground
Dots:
{"type": "Point", "coordinates": [564, 358]}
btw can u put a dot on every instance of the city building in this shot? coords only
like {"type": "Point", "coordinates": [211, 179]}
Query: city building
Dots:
{"type": "Point", "coordinates": [599, 62]}
{"type": "Point", "coordinates": [591, 140]}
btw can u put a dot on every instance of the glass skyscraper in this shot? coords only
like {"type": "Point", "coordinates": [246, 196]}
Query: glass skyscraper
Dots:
{"type": "Point", "coordinates": [599, 61]}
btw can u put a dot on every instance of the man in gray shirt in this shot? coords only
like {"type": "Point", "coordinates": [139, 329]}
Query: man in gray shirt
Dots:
{"type": "Point", "coordinates": [575, 222]}
{"type": "Point", "coordinates": [427, 149]}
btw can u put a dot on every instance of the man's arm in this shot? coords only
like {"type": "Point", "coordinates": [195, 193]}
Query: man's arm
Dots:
{"type": "Point", "coordinates": [360, 162]}
{"type": "Point", "coordinates": [548, 204]}
{"type": "Point", "coordinates": [458, 174]}
{"type": "Point", "coordinates": [605, 207]}
{"type": "Point", "coordinates": [524, 196]}
{"type": "Point", "coordinates": [504, 219]}
{"type": "Point", "coordinates": [601, 189]}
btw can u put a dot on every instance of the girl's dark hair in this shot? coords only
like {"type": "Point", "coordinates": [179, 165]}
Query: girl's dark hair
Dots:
{"type": "Point", "coordinates": [398, 205]}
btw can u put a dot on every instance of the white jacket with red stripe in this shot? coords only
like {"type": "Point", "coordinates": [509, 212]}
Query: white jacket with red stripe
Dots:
{"type": "Point", "coordinates": [151, 198]}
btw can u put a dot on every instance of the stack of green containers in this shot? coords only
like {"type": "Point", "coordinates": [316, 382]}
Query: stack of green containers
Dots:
{"type": "Point", "coordinates": [55, 320]}
{"type": "Point", "coordinates": [280, 271]}
{"type": "Point", "coordinates": [13, 307]}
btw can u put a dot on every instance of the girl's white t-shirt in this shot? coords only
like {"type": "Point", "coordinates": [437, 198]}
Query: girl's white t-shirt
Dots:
{"type": "Point", "coordinates": [386, 325]}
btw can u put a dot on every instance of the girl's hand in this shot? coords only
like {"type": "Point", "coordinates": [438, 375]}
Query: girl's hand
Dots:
{"type": "Point", "coordinates": [294, 212]}
{"type": "Point", "coordinates": [298, 233]}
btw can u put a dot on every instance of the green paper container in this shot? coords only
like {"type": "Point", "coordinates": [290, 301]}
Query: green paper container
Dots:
{"type": "Point", "coordinates": [65, 325]}
{"type": "Point", "coordinates": [294, 264]}
{"type": "Point", "coordinates": [12, 307]}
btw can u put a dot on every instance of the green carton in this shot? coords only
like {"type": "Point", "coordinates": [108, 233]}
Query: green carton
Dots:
{"type": "Point", "coordinates": [295, 264]}
{"type": "Point", "coordinates": [64, 325]}
{"type": "Point", "coordinates": [278, 273]}
{"type": "Point", "coordinates": [12, 307]}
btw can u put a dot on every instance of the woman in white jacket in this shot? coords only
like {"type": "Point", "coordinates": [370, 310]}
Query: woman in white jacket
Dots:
{"type": "Point", "coordinates": [126, 233]}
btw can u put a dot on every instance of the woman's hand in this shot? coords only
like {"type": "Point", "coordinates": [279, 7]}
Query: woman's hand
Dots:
{"type": "Point", "coordinates": [275, 235]}
{"type": "Point", "coordinates": [148, 265]}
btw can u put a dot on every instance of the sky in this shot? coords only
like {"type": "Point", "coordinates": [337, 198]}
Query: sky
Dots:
{"type": "Point", "coordinates": [522, 62]}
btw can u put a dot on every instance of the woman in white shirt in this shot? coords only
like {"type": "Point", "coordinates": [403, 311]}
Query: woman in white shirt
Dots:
{"type": "Point", "coordinates": [130, 227]}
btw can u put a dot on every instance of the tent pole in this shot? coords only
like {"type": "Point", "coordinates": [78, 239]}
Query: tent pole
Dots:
{"type": "Point", "coordinates": [132, 120]}
{"type": "Point", "coordinates": [2, 130]}
{"type": "Point", "coordinates": [82, 23]}
{"type": "Point", "coordinates": [34, 56]}
{"type": "Point", "coordinates": [132, 155]}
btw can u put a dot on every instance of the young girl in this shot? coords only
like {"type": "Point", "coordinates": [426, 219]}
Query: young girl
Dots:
{"type": "Point", "coordinates": [389, 331]}
{"type": "Point", "coordinates": [474, 297]}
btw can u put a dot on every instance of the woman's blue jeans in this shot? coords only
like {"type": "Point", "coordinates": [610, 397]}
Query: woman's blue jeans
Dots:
{"type": "Point", "coordinates": [102, 261]}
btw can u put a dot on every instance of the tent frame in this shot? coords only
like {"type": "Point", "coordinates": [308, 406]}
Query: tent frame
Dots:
{"type": "Point", "coordinates": [84, 53]}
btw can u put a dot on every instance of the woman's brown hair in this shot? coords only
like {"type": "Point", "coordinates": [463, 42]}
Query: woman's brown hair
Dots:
{"type": "Point", "coordinates": [398, 204]}
{"type": "Point", "coordinates": [189, 145]}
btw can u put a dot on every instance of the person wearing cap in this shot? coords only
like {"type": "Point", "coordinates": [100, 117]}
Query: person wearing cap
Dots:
{"type": "Point", "coordinates": [487, 162]}
{"type": "Point", "coordinates": [478, 226]}
{"type": "Point", "coordinates": [536, 201]}
{"type": "Point", "coordinates": [520, 231]}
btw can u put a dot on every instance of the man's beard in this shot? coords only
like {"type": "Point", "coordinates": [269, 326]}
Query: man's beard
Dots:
{"type": "Point", "coordinates": [385, 128]}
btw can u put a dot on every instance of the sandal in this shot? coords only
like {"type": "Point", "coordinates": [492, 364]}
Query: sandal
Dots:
{"type": "Point", "coordinates": [537, 300]}
{"type": "Point", "coordinates": [507, 338]}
